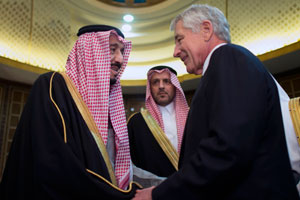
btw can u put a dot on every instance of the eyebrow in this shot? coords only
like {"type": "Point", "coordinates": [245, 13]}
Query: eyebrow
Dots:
{"type": "Point", "coordinates": [117, 45]}
{"type": "Point", "coordinates": [161, 79]}
{"type": "Point", "coordinates": [177, 36]}
{"type": "Point", "coordinates": [114, 45]}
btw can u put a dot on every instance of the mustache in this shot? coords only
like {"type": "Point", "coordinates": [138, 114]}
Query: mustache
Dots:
{"type": "Point", "coordinates": [117, 64]}
{"type": "Point", "coordinates": [162, 91]}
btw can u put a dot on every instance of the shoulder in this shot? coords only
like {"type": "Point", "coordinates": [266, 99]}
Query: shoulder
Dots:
{"type": "Point", "coordinates": [134, 117]}
{"type": "Point", "coordinates": [236, 49]}
{"type": "Point", "coordinates": [47, 77]}
{"type": "Point", "coordinates": [50, 79]}
{"type": "Point", "coordinates": [237, 59]}
{"type": "Point", "coordinates": [52, 82]}
{"type": "Point", "coordinates": [42, 81]}
{"type": "Point", "coordinates": [233, 51]}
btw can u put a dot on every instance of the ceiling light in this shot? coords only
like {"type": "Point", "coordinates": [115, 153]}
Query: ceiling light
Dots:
{"type": "Point", "coordinates": [128, 18]}
{"type": "Point", "coordinates": [126, 28]}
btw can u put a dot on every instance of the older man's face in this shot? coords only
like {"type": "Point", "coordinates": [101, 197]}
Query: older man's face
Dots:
{"type": "Point", "coordinates": [191, 48]}
{"type": "Point", "coordinates": [116, 52]}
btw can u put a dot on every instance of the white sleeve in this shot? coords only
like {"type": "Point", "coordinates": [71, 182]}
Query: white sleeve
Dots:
{"type": "Point", "coordinates": [146, 178]}
{"type": "Point", "coordinates": [290, 135]}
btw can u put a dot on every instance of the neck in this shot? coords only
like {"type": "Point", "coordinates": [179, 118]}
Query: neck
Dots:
{"type": "Point", "coordinates": [213, 42]}
{"type": "Point", "coordinates": [171, 104]}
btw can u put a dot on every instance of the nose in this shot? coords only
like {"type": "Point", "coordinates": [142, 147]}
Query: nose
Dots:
{"type": "Point", "coordinates": [118, 57]}
{"type": "Point", "coordinates": [161, 84]}
{"type": "Point", "coordinates": [176, 51]}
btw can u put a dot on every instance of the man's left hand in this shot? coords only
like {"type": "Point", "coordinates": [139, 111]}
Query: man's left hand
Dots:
{"type": "Point", "coordinates": [145, 194]}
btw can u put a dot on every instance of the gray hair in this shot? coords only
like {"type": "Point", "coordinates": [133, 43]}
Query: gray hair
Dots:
{"type": "Point", "coordinates": [193, 17]}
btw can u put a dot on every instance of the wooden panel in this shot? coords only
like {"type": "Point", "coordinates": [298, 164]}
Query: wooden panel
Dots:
{"type": "Point", "coordinates": [133, 103]}
{"type": "Point", "coordinates": [1, 96]}
{"type": "Point", "coordinates": [15, 103]}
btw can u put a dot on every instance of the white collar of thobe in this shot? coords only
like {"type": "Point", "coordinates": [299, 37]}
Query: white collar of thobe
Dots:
{"type": "Point", "coordinates": [169, 108]}
{"type": "Point", "coordinates": [282, 94]}
{"type": "Point", "coordinates": [206, 62]}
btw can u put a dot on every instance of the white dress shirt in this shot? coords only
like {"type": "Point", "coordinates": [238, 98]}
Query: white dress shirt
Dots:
{"type": "Point", "coordinates": [290, 135]}
{"type": "Point", "coordinates": [169, 119]}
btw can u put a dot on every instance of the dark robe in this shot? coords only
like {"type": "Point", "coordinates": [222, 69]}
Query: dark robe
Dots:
{"type": "Point", "coordinates": [144, 149]}
{"type": "Point", "coordinates": [41, 165]}
{"type": "Point", "coordinates": [234, 145]}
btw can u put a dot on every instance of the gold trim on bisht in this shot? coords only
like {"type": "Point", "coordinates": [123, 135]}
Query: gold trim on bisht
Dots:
{"type": "Point", "coordinates": [294, 107]}
{"type": "Point", "coordinates": [57, 108]}
{"type": "Point", "coordinates": [161, 138]}
{"type": "Point", "coordinates": [86, 115]}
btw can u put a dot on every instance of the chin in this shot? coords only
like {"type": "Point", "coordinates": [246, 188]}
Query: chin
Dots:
{"type": "Point", "coordinates": [190, 71]}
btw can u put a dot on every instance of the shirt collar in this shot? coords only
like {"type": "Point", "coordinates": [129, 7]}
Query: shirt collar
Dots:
{"type": "Point", "coordinates": [169, 107]}
{"type": "Point", "coordinates": [206, 62]}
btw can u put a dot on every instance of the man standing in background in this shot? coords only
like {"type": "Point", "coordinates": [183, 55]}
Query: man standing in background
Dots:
{"type": "Point", "coordinates": [155, 133]}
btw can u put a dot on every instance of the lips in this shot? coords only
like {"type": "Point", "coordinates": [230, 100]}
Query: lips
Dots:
{"type": "Point", "coordinates": [162, 93]}
{"type": "Point", "coordinates": [115, 69]}
{"type": "Point", "coordinates": [183, 58]}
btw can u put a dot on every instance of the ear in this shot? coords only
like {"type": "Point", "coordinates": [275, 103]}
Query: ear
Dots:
{"type": "Point", "coordinates": [207, 30]}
